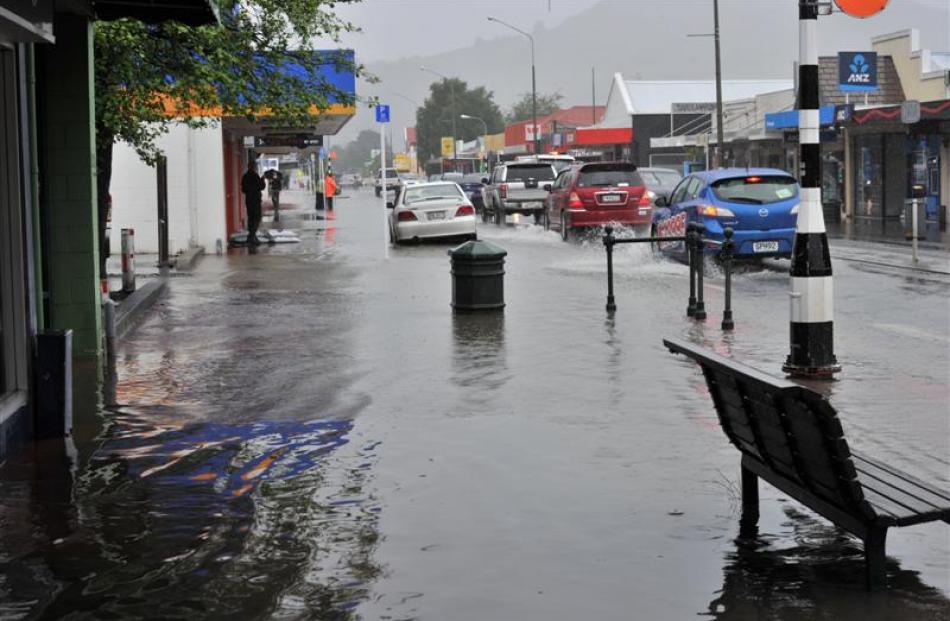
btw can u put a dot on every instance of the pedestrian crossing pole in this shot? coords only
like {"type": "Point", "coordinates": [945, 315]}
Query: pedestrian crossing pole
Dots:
{"type": "Point", "coordinates": [812, 295]}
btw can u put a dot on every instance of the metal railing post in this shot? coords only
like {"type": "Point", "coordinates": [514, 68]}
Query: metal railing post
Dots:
{"type": "Point", "coordinates": [727, 249]}
{"type": "Point", "coordinates": [691, 261]}
{"type": "Point", "coordinates": [609, 245]}
{"type": "Point", "coordinates": [700, 312]}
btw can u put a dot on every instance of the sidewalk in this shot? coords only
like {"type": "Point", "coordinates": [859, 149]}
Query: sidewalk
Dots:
{"type": "Point", "coordinates": [889, 232]}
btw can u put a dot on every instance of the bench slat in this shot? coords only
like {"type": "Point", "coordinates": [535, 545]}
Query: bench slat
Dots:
{"type": "Point", "coordinates": [930, 493]}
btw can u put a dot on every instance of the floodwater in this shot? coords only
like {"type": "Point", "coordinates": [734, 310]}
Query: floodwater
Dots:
{"type": "Point", "coordinates": [308, 432]}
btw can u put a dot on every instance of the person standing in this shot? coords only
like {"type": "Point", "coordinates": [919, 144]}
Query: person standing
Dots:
{"type": "Point", "coordinates": [252, 186]}
{"type": "Point", "coordinates": [275, 182]}
{"type": "Point", "coordinates": [330, 189]}
{"type": "Point", "coordinates": [319, 194]}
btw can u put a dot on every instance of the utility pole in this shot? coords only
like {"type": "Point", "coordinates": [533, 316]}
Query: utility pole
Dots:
{"type": "Point", "coordinates": [812, 295]}
{"type": "Point", "coordinates": [593, 98]}
{"type": "Point", "coordinates": [720, 143]}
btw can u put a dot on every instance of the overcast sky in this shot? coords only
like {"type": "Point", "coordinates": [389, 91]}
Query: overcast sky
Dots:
{"type": "Point", "coordinates": [397, 28]}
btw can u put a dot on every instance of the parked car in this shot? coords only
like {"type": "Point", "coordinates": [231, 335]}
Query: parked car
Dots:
{"type": "Point", "coordinates": [659, 182]}
{"type": "Point", "coordinates": [595, 194]}
{"type": "Point", "coordinates": [517, 187]}
{"type": "Point", "coordinates": [759, 204]}
{"type": "Point", "coordinates": [392, 181]}
{"type": "Point", "coordinates": [431, 210]}
{"type": "Point", "coordinates": [472, 184]}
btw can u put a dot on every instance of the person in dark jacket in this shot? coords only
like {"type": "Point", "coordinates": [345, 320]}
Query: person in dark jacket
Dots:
{"type": "Point", "coordinates": [252, 185]}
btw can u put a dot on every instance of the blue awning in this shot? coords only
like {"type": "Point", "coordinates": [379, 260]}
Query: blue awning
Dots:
{"type": "Point", "coordinates": [789, 118]}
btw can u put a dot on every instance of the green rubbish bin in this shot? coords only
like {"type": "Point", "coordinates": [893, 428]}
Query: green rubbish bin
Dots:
{"type": "Point", "coordinates": [478, 277]}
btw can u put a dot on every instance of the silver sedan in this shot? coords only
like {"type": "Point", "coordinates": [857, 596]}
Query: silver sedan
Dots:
{"type": "Point", "coordinates": [430, 211]}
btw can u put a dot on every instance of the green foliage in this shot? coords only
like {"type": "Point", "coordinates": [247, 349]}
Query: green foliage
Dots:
{"type": "Point", "coordinates": [522, 110]}
{"type": "Point", "coordinates": [357, 156]}
{"type": "Point", "coordinates": [233, 66]}
{"type": "Point", "coordinates": [433, 119]}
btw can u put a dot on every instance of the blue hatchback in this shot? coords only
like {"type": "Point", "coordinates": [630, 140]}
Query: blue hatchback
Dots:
{"type": "Point", "coordinates": [759, 204]}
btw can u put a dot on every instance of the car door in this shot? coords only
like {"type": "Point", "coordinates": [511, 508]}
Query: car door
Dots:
{"type": "Point", "coordinates": [672, 223]}
{"type": "Point", "coordinates": [556, 200]}
{"type": "Point", "coordinates": [690, 198]}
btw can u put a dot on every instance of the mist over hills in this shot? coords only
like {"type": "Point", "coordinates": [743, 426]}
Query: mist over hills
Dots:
{"type": "Point", "coordinates": [640, 39]}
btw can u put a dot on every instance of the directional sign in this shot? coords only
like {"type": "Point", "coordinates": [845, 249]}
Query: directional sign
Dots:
{"type": "Point", "coordinates": [382, 113]}
{"type": "Point", "coordinates": [861, 8]}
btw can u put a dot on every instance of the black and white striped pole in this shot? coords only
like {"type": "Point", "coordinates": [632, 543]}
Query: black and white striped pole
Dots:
{"type": "Point", "coordinates": [812, 295]}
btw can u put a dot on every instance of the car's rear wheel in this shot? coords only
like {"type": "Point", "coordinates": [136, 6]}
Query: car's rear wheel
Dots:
{"type": "Point", "coordinates": [565, 230]}
{"type": "Point", "coordinates": [486, 216]}
{"type": "Point", "coordinates": [499, 215]}
{"type": "Point", "coordinates": [546, 219]}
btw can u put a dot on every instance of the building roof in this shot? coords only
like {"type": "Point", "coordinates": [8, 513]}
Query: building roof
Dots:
{"type": "Point", "coordinates": [889, 83]}
{"type": "Point", "coordinates": [658, 96]}
{"type": "Point", "coordinates": [575, 115]}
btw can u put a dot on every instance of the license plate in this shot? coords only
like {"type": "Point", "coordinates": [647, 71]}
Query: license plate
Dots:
{"type": "Point", "coordinates": [765, 246]}
{"type": "Point", "coordinates": [435, 215]}
{"type": "Point", "coordinates": [532, 205]}
{"type": "Point", "coordinates": [611, 198]}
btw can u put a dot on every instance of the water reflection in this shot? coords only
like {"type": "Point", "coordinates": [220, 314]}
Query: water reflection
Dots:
{"type": "Point", "coordinates": [479, 357]}
{"type": "Point", "coordinates": [209, 519]}
{"type": "Point", "coordinates": [819, 576]}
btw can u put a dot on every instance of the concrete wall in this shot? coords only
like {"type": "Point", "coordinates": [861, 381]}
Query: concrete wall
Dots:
{"type": "Point", "coordinates": [196, 203]}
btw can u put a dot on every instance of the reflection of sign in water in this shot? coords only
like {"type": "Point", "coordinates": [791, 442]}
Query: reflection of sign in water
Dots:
{"type": "Point", "coordinates": [857, 71]}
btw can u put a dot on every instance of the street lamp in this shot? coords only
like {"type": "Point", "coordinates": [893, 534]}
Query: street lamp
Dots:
{"type": "Point", "coordinates": [484, 128]}
{"type": "Point", "coordinates": [455, 155]}
{"type": "Point", "coordinates": [534, 91]}
{"type": "Point", "coordinates": [719, 128]}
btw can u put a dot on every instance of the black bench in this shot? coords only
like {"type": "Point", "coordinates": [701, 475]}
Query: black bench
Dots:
{"type": "Point", "coordinates": [791, 437]}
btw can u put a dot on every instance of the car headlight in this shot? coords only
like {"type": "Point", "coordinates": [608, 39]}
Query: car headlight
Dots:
{"type": "Point", "coordinates": [795, 208]}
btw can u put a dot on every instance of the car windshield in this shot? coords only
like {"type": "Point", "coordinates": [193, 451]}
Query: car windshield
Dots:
{"type": "Point", "coordinates": [660, 178]}
{"type": "Point", "coordinates": [755, 189]}
{"type": "Point", "coordinates": [435, 191]}
{"type": "Point", "coordinates": [593, 177]}
{"type": "Point", "coordinates": [390, 173]}
{"type": "Point", "coordinates": [540, 172]}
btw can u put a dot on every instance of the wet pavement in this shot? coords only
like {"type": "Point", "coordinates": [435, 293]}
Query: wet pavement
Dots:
{"type": "Point", "coordinates": [308, 432]}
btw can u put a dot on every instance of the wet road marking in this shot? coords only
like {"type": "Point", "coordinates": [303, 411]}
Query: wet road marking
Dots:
{"type": "Point", "coordinates": [912, 332]}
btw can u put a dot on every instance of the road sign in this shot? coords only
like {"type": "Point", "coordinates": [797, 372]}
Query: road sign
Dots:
{"type": "Point", "coordinates": [857, 71]}
{"type": "Point", "coordinates": [910, 111]}
{"type": "Point", "coordinates": [322, 154]}
{"type": "Point", "coordinates": [382, 113]}
{"type": "Point", "coordinates": [448, 146]}
{"type": "Point", "coordinates": [861, 8]}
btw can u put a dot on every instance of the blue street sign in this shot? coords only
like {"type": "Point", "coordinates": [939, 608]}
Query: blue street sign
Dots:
{"type": "Point", "coordinates": [382, 113]}
{"type": "Point", "coordinates": [857, 71]}
{"type": "Point", "coordinates": [323, 153]}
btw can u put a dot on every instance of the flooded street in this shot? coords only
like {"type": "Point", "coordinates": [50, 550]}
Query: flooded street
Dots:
{"type": "Point", "coordinates": [308, 432]}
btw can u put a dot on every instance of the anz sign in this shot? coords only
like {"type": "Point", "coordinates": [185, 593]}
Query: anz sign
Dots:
{"type": "Point", "coordinates": [857, 71]}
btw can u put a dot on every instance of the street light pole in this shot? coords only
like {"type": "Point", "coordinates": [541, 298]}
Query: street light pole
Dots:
{"type": "Point", "coordinates": [455, 154]}
{"type": "Point", "coordinates": [484, 129]}
{"type": "Point", "coordinates": [719, 128]}
{"type": "Point", "coordinates": [534, 85]}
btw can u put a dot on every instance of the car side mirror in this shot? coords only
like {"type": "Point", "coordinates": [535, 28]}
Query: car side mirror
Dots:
{"type": "Point", "coordinates": [484, 180]}
{"type": "Point", "coordinates": [390, 205]}
{"type": "Point", "coordinates": [662, 202]}
{"type": "Point", "coordinates": [547, 187]}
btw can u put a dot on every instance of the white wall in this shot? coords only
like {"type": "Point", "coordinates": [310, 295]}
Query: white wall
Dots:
{"type": "Point", "coordinates": [196, 209]}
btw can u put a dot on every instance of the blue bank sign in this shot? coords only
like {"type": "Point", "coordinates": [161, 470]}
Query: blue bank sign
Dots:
{"type": "Point", "coordinates": [857, 71]}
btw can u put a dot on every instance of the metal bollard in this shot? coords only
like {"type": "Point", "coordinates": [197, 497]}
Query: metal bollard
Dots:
{"type": "Point", "coordinates": [700, 312]}
{"type": "Point", "coordinates": [128, 260]}
{"type": "Point", "coordinates": [727, 250]}
{"type": "Point", "coordinates": [691, 261]}
{"type": "Point", "coordinates": [609, 245]}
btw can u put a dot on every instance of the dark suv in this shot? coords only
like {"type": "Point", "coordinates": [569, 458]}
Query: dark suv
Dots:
{"type": "Point", "coordinates": [591, 195]}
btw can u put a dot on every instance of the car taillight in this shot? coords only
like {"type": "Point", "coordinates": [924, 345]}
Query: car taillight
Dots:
{"type": "Point", "coordinates": [503, 190]}
{"type": "Point", "coordinates": [646, 200]}
{"type": "Point", "coordinates": [712, 211]}
{"type": "Point", "coordinates": [465, 210]}
{"type": "Point", "coordinates": [574, 201]}
{"type": "Point", "coordinates": [405, 216]}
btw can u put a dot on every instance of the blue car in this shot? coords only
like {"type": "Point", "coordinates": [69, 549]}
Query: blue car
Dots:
{"type": "Point", "coordinates": [472, 186]}
{"type": "Point", "coordinates": [759, 204]}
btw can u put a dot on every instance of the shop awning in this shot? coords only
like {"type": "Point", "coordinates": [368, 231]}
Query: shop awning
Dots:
{"type": "Point", "coordinates": [191, 12]}
{"type": "Point", "coordinates": [591, 136]}
{"type": "Point", "coordinates": [788, 119]}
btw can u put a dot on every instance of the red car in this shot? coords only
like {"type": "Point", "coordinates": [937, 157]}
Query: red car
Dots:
{"type": "Point", "coordinates": [595, 194]}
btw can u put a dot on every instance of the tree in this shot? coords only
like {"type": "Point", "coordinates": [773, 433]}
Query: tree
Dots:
{"type": "Point", "coordinates": [261, 58]}
{"type": "Point", "coordinates": [355, 155]}
{"type": "Point", "coordinates": [522, 110]}
{"type": "Point", "coordinates": [434, 118]}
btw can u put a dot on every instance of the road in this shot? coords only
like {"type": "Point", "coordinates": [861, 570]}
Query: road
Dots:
{"type": "Point", "coordinates": [307, 431]}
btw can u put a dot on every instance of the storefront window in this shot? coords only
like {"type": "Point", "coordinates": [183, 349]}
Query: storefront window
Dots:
{"type": "Point", "coordinates": [868, 178]}
{"type": "Point", "coordinates": [923, 168]}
